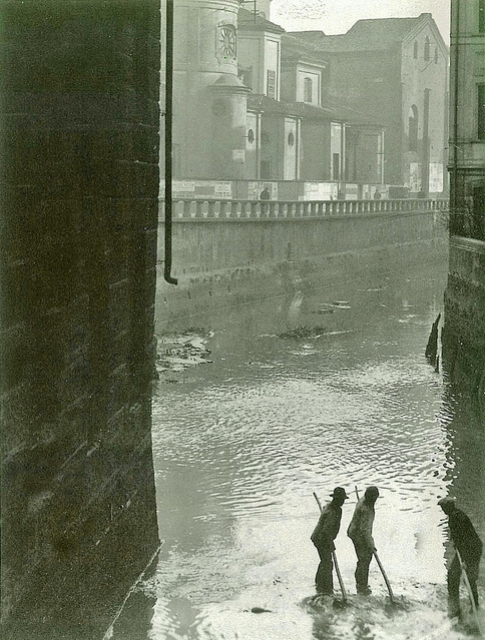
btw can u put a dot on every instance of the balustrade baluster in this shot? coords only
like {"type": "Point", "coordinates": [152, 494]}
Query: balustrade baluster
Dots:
{"type": "Point", "coordinates": [255, 209]}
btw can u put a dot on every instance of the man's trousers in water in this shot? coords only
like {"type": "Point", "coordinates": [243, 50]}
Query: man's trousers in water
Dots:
{"type": "Point", "coordinates": [454, 573]}
{"type": "Point", "coordinates": [324, 577]}
{"type": "Point", "coordinates": [364, 557]}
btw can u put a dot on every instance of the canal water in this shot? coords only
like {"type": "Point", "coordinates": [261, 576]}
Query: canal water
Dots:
{"type": "Point", "coordinates": [299, 395]}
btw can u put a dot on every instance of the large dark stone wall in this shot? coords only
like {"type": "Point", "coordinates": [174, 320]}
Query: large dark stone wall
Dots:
{"type": "Point", "coordinates": [464, 326]}
{"type": "Point", "coordinates": [80, 88]}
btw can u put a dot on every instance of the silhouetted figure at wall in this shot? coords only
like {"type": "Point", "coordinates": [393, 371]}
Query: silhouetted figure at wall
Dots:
{"type": "Point", "coordinates": [264, 196]}
{"type": "Point", "coordinates": [432, 346]}
{"type": "Point", "coordinates": [323, 537]}
{"type": "Point", "coordinates": [377, 195]}
{"type": "Point", "coordinates": [469, 546]}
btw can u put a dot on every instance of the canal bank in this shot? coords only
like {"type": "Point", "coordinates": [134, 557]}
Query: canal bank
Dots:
{"type": "Point", "coordinates": [464, 328]}
{"type": "Point", "coordinates": [225, 258]}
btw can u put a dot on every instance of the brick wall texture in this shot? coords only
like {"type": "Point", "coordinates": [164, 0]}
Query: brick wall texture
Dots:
{"type": "Point", "coordinates": [80, 140]}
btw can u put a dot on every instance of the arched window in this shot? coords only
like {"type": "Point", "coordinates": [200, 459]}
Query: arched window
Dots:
{"type": "Point", "coordinates": [415, 49]}
{"type": "Point", "coordinates": [436, 55]}
{"type": "Point", "coordinates": [413, 128]}
{"type": "Point", "coordinates": [426, 49]}
{"type": "Point", "coordinates": [307, 90]}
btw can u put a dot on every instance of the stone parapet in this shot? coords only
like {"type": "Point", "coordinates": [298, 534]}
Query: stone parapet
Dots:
{"type": "Point", "coordinates": [237, 209]}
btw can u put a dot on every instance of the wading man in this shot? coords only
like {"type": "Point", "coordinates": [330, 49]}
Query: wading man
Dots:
{"type": "Point", "coordinates": [360, 532]}
{"type": "Point", "coordinates": [323, 538]}
{"type": "Point", "coordinates": [469, 546]}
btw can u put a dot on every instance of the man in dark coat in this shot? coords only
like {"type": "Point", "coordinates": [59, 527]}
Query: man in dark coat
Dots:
{"type": "Point", "coordinates": [323, 537]}
{"type": "Point", "coordinates": [360, 532]}
{"type": "Point", "coordinates": [469, 546]}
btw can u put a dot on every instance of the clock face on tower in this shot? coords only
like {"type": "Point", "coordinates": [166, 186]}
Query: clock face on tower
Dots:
{"type": "Point", "coordinates": [227, 42]}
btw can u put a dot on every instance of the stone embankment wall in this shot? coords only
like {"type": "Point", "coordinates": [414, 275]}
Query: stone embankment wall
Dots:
{"type": "Point", "coordinates": [230, 252]}
{"type": "Point", "coordinates": [80, 88]}
{"type": "Point", "coordinates": [464, 328]}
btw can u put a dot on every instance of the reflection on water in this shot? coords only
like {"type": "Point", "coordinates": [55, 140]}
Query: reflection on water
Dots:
{"type": "Point", "coordinates": [241, 444]}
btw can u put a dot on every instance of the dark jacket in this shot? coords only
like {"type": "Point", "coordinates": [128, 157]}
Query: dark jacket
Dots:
{"type": "Point", "coordinates": [360, 528]}
{"type": "Point", "coordinates": [464, 536]}
{"type": "Point", "coordinates": [327, 527]}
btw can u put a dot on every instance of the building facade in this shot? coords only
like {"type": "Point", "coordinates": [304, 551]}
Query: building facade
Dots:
{"type": "Point", "coordinates": [338, 144]}
{"type": "Point", "coordinates": [467, 119]}
{"type": "Point", "coordinates": [464, 330]}
{"type": "Point", "coordinates": [251, 104]}
{"type": "Point", "coordinates": [396, 67]}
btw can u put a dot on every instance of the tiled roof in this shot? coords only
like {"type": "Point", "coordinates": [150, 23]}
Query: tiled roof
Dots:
{"type": "Point", "coordinates": [293, 48]}
{"type": "Point", "coordinates": [332, 110]}
{"type": "Point", "coordinates": [351, 115]}
{"type": "Point", "coordinates": [365, 35]}
{"type": "Point", "coordinates": [265, 104]}
{"type": "Point", "coordinates": [391, 29]}
{"type": "Point", "coordinates": [249, 21]}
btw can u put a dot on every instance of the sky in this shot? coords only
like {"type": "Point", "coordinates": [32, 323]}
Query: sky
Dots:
{"type": "Point", "coordinates": [337, 16]}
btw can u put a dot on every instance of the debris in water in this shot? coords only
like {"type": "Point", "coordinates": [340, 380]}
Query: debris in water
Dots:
{"type": "Point", "coordinates": [178, 352]}
{"type": "Point", "coordinates": [303, 332]}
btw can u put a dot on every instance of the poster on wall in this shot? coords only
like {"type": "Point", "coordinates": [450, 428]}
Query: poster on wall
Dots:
{"type": "Point", "coordinates": [415, 176]}
{"type": "Point", "coordinates": [435, 177]}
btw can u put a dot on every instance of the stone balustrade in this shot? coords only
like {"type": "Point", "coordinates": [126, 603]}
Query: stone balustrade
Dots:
{"type": "Point", "coordinates": [191, 208]}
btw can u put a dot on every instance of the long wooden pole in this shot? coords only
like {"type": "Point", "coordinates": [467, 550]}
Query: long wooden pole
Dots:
{"type": "Point", "coordinates": [470, 592]}
{"type": "Point", "coordinates": [388, 584]}
{"type": "Point", "coordinates": [386, 580]}
{"type": "Point", "coordinates": [334, 556]}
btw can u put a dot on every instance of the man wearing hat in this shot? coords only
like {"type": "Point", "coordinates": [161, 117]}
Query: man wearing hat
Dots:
{"type": "Point", "coordinates": [469, 545]}
{"type": "Point", "coordinates": [323, 538]}
{"type": "Point", "coordinates": [360, 532]}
